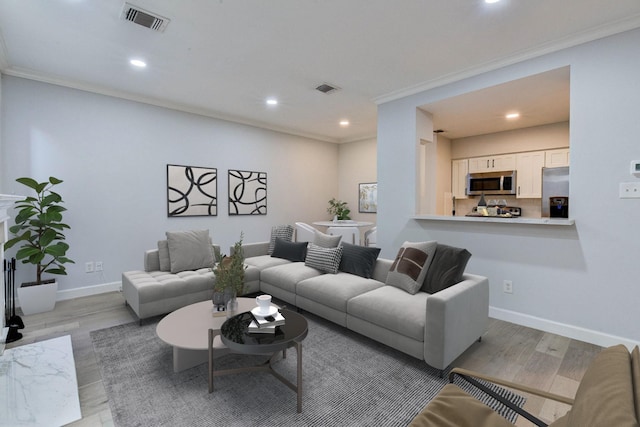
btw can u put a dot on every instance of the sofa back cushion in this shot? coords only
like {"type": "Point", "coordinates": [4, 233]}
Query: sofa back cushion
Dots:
{"type": "Point", "coordinates": [326, 240]}
{"type": "Point", "coordinates": [605, 395]}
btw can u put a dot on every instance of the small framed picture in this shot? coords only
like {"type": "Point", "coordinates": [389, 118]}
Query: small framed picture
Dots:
{"type": "Point", "coordinates": [368, 197]}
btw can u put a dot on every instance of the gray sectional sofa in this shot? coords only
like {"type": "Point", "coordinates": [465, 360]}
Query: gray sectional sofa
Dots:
{"type": "Point", "coordinates": [431, 324]}
{"type": "Point", "coordinates": [436, 328]}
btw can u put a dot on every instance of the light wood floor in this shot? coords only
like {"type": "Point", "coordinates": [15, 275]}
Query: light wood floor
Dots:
{"type": "Point", "coordinates": [515, 353]}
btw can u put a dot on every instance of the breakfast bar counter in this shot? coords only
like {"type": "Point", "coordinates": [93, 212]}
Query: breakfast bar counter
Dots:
{"type": "Point", "coordinates": [496, 219]}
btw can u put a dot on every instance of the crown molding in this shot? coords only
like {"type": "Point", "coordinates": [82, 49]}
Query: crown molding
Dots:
{"type": "Point", "coordinates": [157, 102]}
{"type": "Point", "coordinates": [596, 33]}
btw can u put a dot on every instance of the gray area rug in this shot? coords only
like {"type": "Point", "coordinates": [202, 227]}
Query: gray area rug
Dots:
{"type": "Point", "coordinates": [348, 380]}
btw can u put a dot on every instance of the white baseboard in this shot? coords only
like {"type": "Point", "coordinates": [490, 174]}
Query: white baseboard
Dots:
{"type": "Point", "coordinates": [88, 290]}
{"type": "Point", "coordinates": [570, 331]}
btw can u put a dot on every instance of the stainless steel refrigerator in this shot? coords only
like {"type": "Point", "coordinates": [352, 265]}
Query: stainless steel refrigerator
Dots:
{"type": "Point", "coordinates": [555, 183]}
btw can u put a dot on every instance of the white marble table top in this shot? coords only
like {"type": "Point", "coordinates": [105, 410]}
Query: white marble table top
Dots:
{"type": "Point", "coordinates": [38, 384]}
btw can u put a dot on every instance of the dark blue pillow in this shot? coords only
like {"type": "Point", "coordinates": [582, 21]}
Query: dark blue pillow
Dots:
{"type": "Point", "coordinates": [293, 251]}
{"type": "Point", "coordinates": [358, 260]}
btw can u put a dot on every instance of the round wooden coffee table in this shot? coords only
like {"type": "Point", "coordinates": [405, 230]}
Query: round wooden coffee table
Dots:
{"type": "Point", "coordinates": [187, 331]}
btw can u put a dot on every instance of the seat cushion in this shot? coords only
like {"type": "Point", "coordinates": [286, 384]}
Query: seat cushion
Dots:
{"type": "Point", "coordinates": [265, 261]}
{"type": "Point", "coordinates": [334, 290]}
{"type": "Point", "coordinates": [452, 407]}
{"type": "Point", "coordinates": [393, 309]}
{"type": "Point", "coordinates": [287, 276]}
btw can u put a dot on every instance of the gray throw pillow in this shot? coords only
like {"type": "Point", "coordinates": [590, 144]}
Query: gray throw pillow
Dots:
{"type": "Point", "coordinates": [293, 251]}
{"type": "Point", "coordinates": [163, 254]}
{"type": "Point", "coordinates": [189, 250]}
{"type": "Point", "coordinates": [358, 260]}
{"type": "Point", "coordinates": [326, 240]}
{"type": "Point", "coordinates": [410, 267]}
{"type": "Point", "coordinates": [323, 259]}
{"type": "Point", "coordinates": [446, 269]}
{"type": "Point", "coordinates": [285, 232]}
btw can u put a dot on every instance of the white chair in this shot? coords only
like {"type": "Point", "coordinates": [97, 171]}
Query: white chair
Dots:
{"type": "Point", "coordinates": [371, 237]}
{"type": "Point", "coordinates": [349, 234]}
{"type": "Point", "coordinates": [304, 232]}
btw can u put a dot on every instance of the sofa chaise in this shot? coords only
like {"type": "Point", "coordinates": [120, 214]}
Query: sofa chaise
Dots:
{"type": "Point", "coordinates": [176, 274]}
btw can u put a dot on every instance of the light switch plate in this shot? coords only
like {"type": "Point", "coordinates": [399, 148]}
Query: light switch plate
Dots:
{"type": "Point", "coordinates": [630, 190]}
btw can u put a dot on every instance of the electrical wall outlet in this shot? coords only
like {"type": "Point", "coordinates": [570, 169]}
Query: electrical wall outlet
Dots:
{"type": "Point", "coordinates": [88, 267]}
{"type": "Point", "coordinates": [630, 190]}
{"type": "Point", "coordinates": [507, 286]}
{"type": "Point", "coordinates": [98, 265]}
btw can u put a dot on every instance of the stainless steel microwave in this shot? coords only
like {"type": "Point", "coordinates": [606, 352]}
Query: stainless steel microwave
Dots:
{"type": "Point", "coordinates": [491, 183]}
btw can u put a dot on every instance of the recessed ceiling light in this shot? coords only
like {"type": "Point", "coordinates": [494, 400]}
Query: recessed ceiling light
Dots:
{"type": "Point", "coordinates": [138, 63]}
{"type": "Point", "coordinates": [344, 123]}
{"type": "Point", "coordinates": [491, 1]}
{"type": "Point", "coordinates": [272, 101]}
{"type": "Point", "coordinates": [512, 115]}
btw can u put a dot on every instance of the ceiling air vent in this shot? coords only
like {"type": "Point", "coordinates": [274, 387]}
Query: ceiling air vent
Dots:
{"type": "Point", "coordinates": [143, 17]}
{"type": "Point", "coordinates": [326, 88]}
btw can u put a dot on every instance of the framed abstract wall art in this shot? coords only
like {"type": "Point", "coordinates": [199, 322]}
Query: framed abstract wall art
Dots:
{"type": "Point", "coordinates": [368, 197]}
{"type": "Point", "coordinates": [192, 191]}
{"type": "Point", "coordinates": [247, 193]}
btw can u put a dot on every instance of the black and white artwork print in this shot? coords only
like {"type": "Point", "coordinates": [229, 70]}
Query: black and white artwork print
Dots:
{"type": "Point", "coordinates": [192, 191]}
{"type": "Point", "coordinates": [247, 192]}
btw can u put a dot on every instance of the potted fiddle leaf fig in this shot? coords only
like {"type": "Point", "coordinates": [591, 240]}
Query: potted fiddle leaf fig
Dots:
{"type": "Point", "coordinates": [39, 231]}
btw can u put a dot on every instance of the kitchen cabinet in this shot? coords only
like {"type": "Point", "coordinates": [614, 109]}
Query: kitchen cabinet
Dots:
{"type": "Point", "coordinates": [529, 174]}
{"type": "Point", "coordinates": [459, 170]}
{"type": "Point", "coordinates": [504, 162]}
{"type": "Point", "coordinates": [556, 158]}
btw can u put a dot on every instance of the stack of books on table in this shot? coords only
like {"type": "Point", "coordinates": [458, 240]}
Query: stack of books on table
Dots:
{"type": "Point", "coordinates": [266, 325]}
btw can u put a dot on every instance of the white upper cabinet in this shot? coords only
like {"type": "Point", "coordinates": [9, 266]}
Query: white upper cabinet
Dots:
{"type": "Point", "coordinates": [556, 158]}
{"type": "Point", "coordinates": [459, 170]}
{"type": "Point", "coordinates": [529, 174]}
{"type": "Point", "coordinates": [503, 162]}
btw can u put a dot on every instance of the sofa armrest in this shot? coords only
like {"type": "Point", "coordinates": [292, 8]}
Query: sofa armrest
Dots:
{"type": "Point", "coordinates": [254, 249]}
{"type": "Point", "coordinates": [456, 317]}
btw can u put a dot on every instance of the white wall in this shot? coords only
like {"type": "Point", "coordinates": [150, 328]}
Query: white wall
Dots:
{"type": "Point", "coordinates": [357, 163]}
{"type": "Point", "coordinates": [582, 280]}
{"type": "Point", "coordinates": [112, 155]}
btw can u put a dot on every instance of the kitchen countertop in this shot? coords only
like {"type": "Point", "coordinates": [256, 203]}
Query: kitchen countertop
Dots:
{"type": "Point", "coordinates": [495, 219]}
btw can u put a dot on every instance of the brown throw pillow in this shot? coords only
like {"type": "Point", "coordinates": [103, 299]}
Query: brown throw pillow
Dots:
{"type": "Point", "coordinates": [410, 267]}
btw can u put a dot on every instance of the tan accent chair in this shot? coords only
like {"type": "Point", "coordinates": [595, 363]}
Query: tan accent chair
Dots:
{"type": "Point", "coordinates": [608, 396]}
